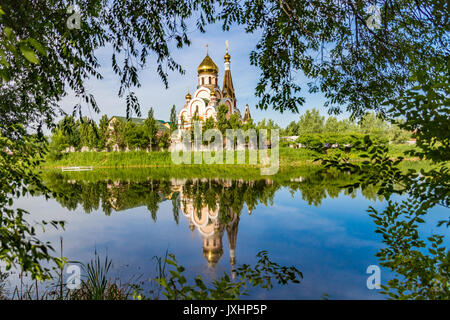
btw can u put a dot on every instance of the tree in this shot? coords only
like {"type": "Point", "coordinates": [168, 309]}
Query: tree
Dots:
{"type": "Point", "coordinates": [248, 125]}
{"type": "Point", "coordinates": [291, 129]}
{"type": "Point", "coordinates": [373, 125]}
{"type": "Point", "coordinates": [173, 119]}
{"type": "Point", "coordinates": [310, 122]}
{"type": "Point", "coordinates": [151, 128]}
{"type": "Point", "coordinates": [19, 159]}
{"type": "Point", "coordinates": [312, 141]}
{"type": "Point", "coordinates": [117, 137]}
{"type": "Point", "coordinates": [222, 121]}
{"type": "Point", "coordinates": [269, 126]}
{"type": "Point", "coordinates": [103, 133]}
{"type": "Point", "coordinates": [209, 123]}
{"type": "Point", "coordinates": [331, 125]}
{"type": "Point", "coordinates": [398, 135]}
{"type": "Point", "coordinates": [135, 136]}
{"type": "Point", "coordinates": [71, 129]}
{"type": "Point", "coordinates": [164, 140]}
{"type": "Point", "coordinates": [58, 144]}
{"type": "Point", "coordinates": [235, 121]}
{"type": "Point", "coordinates": [88, 133]}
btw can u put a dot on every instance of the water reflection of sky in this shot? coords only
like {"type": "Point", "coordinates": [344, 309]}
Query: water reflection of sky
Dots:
{"type": "Point", "coordinates": [332, 244]}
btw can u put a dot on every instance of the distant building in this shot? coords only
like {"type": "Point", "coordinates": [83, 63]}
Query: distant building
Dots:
{"type": "Point", "coordinates": [292, 141]}
{"type": "Point", "coordinates": [290, 138]}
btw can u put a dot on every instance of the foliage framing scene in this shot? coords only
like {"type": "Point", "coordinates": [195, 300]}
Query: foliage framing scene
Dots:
{"type": "Point", "coordinates": [93, 100]}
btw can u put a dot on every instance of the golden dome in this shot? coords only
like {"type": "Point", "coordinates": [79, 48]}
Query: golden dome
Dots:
{"type": "Point", "coordinates": [188, 96]}
{"type": "Point", "coordinates": [213, 93]}
{"type": "Point", "coordinates": [213, 255]}
{"type": "Point", "coordinates": [207, 66]}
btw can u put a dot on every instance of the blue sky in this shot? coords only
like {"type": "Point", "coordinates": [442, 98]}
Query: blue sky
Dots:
{"type": "Point", "coordinates": [154, 94]}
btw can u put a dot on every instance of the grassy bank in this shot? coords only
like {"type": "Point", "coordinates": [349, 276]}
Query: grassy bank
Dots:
{"type": "Point", "coordinates": [288, 157]}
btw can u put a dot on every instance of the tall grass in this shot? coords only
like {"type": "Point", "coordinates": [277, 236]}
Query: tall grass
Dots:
{"type": "Point", "coordinates": [97, 284]}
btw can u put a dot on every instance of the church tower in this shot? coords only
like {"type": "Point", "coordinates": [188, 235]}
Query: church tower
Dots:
{"type": "Point", "coordinates": [227, 88]}
{"type": "Point", "coordinates": [247, 115]}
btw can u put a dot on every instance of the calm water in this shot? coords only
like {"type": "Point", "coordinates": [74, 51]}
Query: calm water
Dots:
{"type": "Point", "coordinates": [212, 225]}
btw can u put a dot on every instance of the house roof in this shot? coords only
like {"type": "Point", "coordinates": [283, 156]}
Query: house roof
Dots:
{"type": "Point", "coordinates": [124, 119]}
{"type": "Point", "coordinates": [162, 124]}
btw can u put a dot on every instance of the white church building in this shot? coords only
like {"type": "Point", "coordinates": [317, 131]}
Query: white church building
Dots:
{"type": "Point", "coordinates": [208, 97]}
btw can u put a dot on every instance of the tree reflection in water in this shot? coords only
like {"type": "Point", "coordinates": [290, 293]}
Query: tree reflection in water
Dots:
{"type": "Point", "coordinates": [211, 206]}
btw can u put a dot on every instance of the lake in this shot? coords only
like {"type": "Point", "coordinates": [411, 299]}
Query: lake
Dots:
{"type": "Point", "coordinates": [213, 225]}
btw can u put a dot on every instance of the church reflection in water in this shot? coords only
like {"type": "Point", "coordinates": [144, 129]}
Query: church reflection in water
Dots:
{"type": "Point", "coordinates": [205, 220]}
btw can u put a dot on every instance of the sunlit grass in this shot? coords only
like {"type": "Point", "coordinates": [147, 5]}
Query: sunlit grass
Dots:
{"type": "Point", "coordinates": [288, 157]}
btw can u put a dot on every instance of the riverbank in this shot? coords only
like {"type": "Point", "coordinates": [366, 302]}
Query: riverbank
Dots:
{"type": "Point", "coordinates": [288, 157]}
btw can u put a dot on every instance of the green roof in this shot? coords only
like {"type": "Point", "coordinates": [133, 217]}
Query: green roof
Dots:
{"type": "Point", "coordinates": [134, 120]}
{"type": "Point", "coordinates": [140, 121]}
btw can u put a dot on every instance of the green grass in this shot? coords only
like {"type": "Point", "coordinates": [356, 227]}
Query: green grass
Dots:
{"type": "Point", "coordinates": [111, 159]}
{"type": "Point", "coordinates": [288, 157]}
{"type": "Point", "coordinates": [399, 150]}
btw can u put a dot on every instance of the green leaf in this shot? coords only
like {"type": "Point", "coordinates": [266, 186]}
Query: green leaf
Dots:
{"type": "Point", "coordinates": [28, 53]}
{"type": "Point", "coordinates": [4, 75]}
{"type": "Point", "coordinates": [8, 32]}
{"type": "Point", "coordinates": [39, 47]}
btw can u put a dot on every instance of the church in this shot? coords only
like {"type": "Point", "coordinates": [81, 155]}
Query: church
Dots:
{"type": "Point", "coordinates": [208, 97]}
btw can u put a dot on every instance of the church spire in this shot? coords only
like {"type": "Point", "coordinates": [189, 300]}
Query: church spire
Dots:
{"type": "Point", "coordinates": [227, 55]}
{"type": "Point", "coordinates": [227, 88]}
{"type": "Point", "coordinates": [247, 115]}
